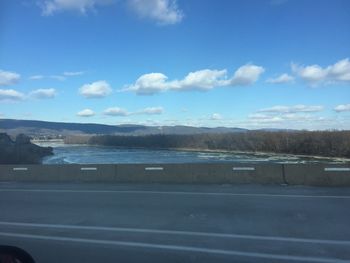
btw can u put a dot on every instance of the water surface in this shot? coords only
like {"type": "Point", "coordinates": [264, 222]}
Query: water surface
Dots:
{"type": "Point", "coordinates": [87, 154]}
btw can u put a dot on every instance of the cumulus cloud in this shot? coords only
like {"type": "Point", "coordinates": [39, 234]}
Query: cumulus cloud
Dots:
{"type": "Point", "coordinates": [86, 113]}
{"type": "Point", "coordinates": [115, 111]}
{"type": "Point", "coordinates": [317, 75]}
{"type": "Point", "coordinates": [43, 93]}
{"type": "Point", "coordinates": [342, 108]}
{"type": "Point", "coordinates": [50, 7]}
{"type": "Point", "coordinates": [293, 109]}
{"type": "Point", "coordinates": [10, 95]}
{"type": "Point", "coordinates": [98, 89]}
{"type": "Point", "coordinates": [164, 12]}
{"type": "Point", "coordinates": [203, 80]}
{"type": "Point", "coordinates": [216, 117]}
{"type": "Point", "coordinates": [8, 78]}
{"type": "Point", "coordinates": [282, 79]}
{"type": "Point", "coordinates": [149, 84]}
{"type": "Point", "coordinates": [246, 75]}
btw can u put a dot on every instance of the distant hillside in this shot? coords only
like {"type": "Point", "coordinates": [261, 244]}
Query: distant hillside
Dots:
{"type": "Point", "coordinates": [45, 128]}
{"type": "Point", "coordinates": [312, 143]}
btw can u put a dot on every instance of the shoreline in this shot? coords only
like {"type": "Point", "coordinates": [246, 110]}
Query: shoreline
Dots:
{"type": "Point", "coordinates": [343, 159]}
{"type": "Point", "coordinates": [198, 150]}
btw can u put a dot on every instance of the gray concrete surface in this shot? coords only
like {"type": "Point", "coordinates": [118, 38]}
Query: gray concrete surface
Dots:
{"type": "Point", "coordinates": [199, 173]}
{"type": "Point", "coordinates": [244, 173]}
{"type": "Point", "coordinates": [317, 174]}
{"type": "Point", "coordinates": [60, 222]}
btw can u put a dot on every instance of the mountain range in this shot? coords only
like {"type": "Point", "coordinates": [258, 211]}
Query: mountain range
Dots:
{"type": "Point", "coordinates": [46, 128]}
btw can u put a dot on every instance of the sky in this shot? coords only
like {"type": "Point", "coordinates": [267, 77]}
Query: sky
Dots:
{"type": "Point", "coordinates": [245, 63]}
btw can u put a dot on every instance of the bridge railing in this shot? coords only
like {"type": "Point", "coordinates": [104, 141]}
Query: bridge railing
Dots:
{"type": "Point", "coordinates": [215, 173]}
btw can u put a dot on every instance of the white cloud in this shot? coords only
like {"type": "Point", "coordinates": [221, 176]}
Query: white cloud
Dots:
{"type": "Point", "coordinates": [262, 118]}
{"type": "Point", "coordinates": [164, 12]}
{"type": "Point", "coordinates": [98, 89]}
{"type": "Point", "coordinates": [49, 7]}
{"type": "Point", "coordinates": [282, 79]}
{"type": "Point", "coordinates": [149, 84]}
{"type": "Point", "coordinates": [201, 80]}
{"type": "Point", "coordinates": [115, 111]}
{"type": "Point", "coordinates": [205, 79]}
{"type": "Point", "coordinates": [43, 93]}
{"type": "Point", "coordinates": [297, 116]}
{"type": "Point", "coordinates": [216, 117]}
{"type": "Point", "coordinates": [292, 109]}
{"type": "Point", "coordinates": [150, 111]}
{"type": "Point", "coordinates": [343, 107]}
{"type": "Point", "coordinates": [316, 75]}
{"type": "Point", "coordinates": [10, 95]}
{"type": "Point", "coordinates": [288, 119]}
{"type": "Point", "coordinates": [246, 75]}
{"type": "Point", "coordinates": [73, 73]}
{"type": "Point", "coordinates": [86, 113]}
{"type": "Point", "coordinates": [8, 78]}
{"type": "Point", "coordinates": [60, 77]}
{"type": "Point", "coordinates": [36, 77]}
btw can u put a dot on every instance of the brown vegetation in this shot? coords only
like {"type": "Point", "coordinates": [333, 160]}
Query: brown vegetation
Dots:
{"type": "Point", "coordinates": [321, 143]}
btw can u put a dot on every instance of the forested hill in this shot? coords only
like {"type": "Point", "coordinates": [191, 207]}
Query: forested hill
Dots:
{"type": "Point", "coordinates": [320, 143]}
{"type": "Point", "coordinates": [36, 128]}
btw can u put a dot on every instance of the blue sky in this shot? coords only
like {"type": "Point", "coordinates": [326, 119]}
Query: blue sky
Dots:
{"type": "Point", "coordinates": [251, 64]}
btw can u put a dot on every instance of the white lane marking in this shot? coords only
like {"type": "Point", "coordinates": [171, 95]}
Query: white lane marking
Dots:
{"type": "Point", "coordinates": [178, 232]}
{"type": "Point", "coordinates": [88, 169]}
{"type": "Point", "coordinates": [243, 168]}
{"type": "Point", "coordinates": [20, 169]}
{"type": "Point", "coordinates": [169, 193]}
{"type": "Point", "coordinates": [337, 169]}
{"type": "Point", "coordinates": [176, 248]}
{"type": "Point", "coordinates": [154, 168]}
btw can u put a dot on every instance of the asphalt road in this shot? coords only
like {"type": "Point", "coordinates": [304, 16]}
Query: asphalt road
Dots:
{"type": "Point", "coordinates": [176, 223]}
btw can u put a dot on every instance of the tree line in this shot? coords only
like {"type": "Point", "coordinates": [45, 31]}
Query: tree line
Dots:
{"type": "Point", "coordinates": [321, 143]}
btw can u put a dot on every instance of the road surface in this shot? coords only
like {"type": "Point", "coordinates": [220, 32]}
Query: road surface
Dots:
{"type": "Point", "coordinates": [176, 223]}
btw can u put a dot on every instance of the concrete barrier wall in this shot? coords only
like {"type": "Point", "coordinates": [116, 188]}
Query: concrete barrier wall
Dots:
{"type": "Point", "coordinates": [317, 174]}
{"type": "Point", "coordinates": [293, 174]}
{"type": "Point", "coordinates": [199, 173]}
{"type": "Point", "coordinates": [57, 173]}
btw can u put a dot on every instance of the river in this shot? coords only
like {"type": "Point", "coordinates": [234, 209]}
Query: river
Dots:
{"type": "Point", "coordinates": [88, 154]}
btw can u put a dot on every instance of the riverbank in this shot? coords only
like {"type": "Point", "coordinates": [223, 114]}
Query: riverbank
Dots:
{"type": "Point", "coordinates": [86, 153]}
{"type": "Point", "coordinates": [340, 159]}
